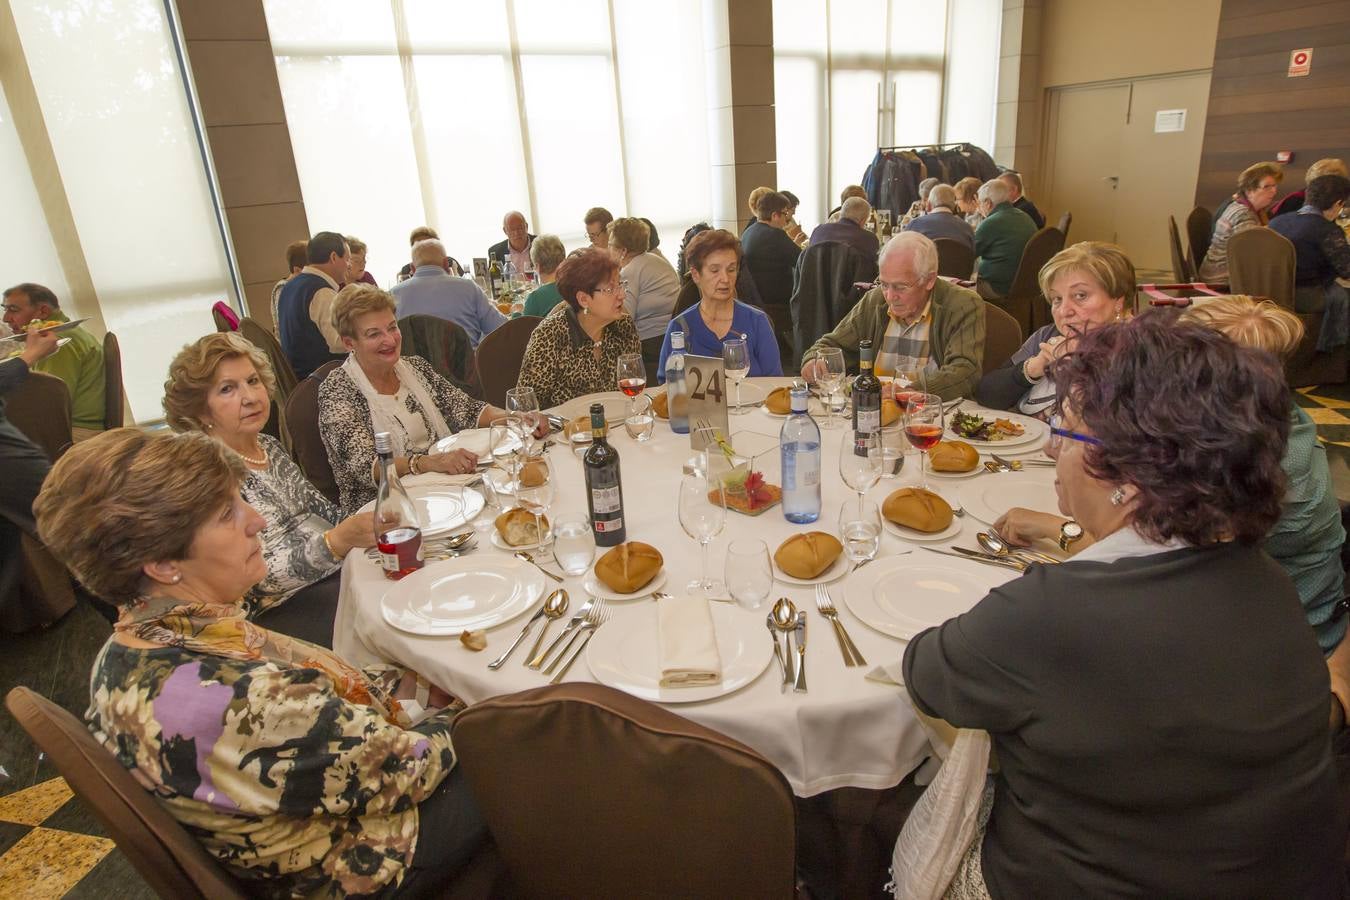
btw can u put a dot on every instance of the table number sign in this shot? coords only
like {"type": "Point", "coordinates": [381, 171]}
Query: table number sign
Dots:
{"type": "Point", "coordinates": [706, 383]}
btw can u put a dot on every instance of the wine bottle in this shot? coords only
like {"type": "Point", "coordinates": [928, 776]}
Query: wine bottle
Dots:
{"type": "Point", "coordinates": [677, 394]}
{"type": "Point", "coordinates": [494, 276]}
{"type": "Point", "coordinates": [799, 447]}
{"type": "Point", "coordinates": [866, 395]}
{"type": "Point", "coordinates": [604, 489]}
{"type": "Point", "coordinates": [398, 532]}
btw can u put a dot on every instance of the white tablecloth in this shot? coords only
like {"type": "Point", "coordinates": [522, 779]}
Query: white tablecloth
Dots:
{"type": "Point", "coordinates": [847, 731]}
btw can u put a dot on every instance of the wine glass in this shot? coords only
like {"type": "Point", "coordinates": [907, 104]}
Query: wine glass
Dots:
{"type": "Point", "coordinates": [833, 360]}
{"type": "Point", "coordinates": [860, 528]}
{"type": "Point", "coordinates": [632, 375]}
{"type": "Point", "coordinates": [749, 574]}
{"type": "Point", "coordinates": [507, 447]}
{"type": "Point", "coordinates": [535, 492]}
{"type": "Point", "coordinates": [522, 403]}
{"type": "Point", "coordinates": [641, 419]}
{"type": "Point", "coordinates": [736, 364]}
{"type": "Point", "coordinates": [923, 427]}
{"type": "Point", "coordinates": [861, 461]}
{"type": "Point", "coordinates": [703, 515]}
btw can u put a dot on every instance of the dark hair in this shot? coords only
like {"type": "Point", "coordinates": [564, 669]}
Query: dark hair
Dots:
{"type": "Point", "coordinates": [792, 199]}
{"type": "Point", "coordinates": [681, 264]}
{"type": "Point", "coordinates": [296, 254]}
{"type": "Point", "coordinates": [772, 203]}
{"type": "Point", "coordinates": [1196, 423]}
{"type": "Point", "coordinates": [597, 214]}
{"type": "Point", "coordinates": [707, 243]}
{"type": "Point", "coordinates": [36, 293]}
{"type": "Point", "coordinates": [1325, 191]}
{"type": "Point", "coordinates": [653, 240]}
{"type": "Point", "coordinates": [325, 244]}
{"type": "Point", "coordinates": [583, 271]}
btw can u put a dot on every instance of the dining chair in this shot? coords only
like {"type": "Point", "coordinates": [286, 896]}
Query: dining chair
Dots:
{"type": "Point", "coordinates": [302, 429]}
{"type": "Point", "coordinates": [40, 408]}
{"type": "Point", "coordinates": [1064, 222]}
{"type": "Point", "coordinates": [1182, 269]}
{"type": "Point", "coordinates": [956, 259]}
{"type": "Point", "coordinates": [1199, 231]}
{"type": "Point", "coordinates": [825, 292]}
{"type": "Point", "coordinates": [282, 372]}
{"type": "Point", "coordinates": [446, 346]}
{"type": "Point", "coordinates": [590, 792]}
{"type": "Point", "coordinates": [1023, 300]}
{"type": "Point", "coordinates": [1002, 337]}
{"type": "Point", "coordinates": [224, 316]}
{"type": "Point", "coordinates": [114, 393]}
{"type": "Point", "coordinates": [500, 354]}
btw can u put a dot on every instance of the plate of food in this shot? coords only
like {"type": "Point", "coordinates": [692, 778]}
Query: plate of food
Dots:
{"type": "Point", "coordinates": [954, 459]}
{"type": "Point", "coordinates": [10, 354]}
{"type": "Point", "coordinates": [54, 325]}
{"type": "Point", "coordinates": [919, 515]}
{"type": "Point", "coordinates": [814, 557]}
{"type": "Point", "coordinates": [515, 529]}
{"type": "Point", "coordinates": [626, 572]}
{"type": "Point", "coordinates": [991, 429]}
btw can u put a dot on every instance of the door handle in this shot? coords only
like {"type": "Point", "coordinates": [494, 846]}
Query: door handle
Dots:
{"type": "Point", "coordinates": [1114, 179]}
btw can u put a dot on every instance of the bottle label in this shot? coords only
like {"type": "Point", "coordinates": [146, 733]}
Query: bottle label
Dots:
{"type": "Point", "coordinates": [808, 470]}
{"type": "Point", "coordinates": [605, 500]}
{"type": "Point", "coordinates": [605, 526]}
{"type": "Point", "coordinates": [869, 420]}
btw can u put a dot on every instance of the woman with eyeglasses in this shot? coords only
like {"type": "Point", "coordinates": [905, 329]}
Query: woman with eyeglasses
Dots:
{"type": "Point", "coordinates": [1087, 286]}
{"type": "Point", "coordinates": [1158, 704]}
{"type": "Point", "coordinates": [575, 351]}
{"type": "Point", "coordinates": [1249, 208]}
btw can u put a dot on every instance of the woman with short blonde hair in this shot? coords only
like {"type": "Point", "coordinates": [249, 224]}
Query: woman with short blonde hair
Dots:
{"type": "Point", "coordinates": [1250, 321]}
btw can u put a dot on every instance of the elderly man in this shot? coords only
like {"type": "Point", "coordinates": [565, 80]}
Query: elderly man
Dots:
{"type": "Point", "coordinates": [433, 291]}
{"type": "Point", "coordinates": [597, 221]}
{"type": "Point", "coordinates": [423, 233]}
{"type": "Point", "coordinates": [941, 220]}
{"type": "Point", "coordinates": [921, 326]}
{"type": "Point", "coordinates": [516, 248]}
{"type": "Point", "coordinates": [849, 229]}
{"type": "Point", "coordinates": [999, 240]}
{"type": "Point", "coordinates": [1019, 200]}
{"type": "Point", "coordinates": [305, 308]}
{"type": "Point", "coordinates": [79, 364]}
{"type": "Point", "coordinates": [920, 206]}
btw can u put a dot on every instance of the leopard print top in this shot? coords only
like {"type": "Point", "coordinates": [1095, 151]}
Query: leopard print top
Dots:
{"type": "Point", "coordinates": [560, 362]}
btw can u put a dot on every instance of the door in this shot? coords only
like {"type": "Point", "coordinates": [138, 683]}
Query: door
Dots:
{"type": "Point", "coordinates": [1083, 164]}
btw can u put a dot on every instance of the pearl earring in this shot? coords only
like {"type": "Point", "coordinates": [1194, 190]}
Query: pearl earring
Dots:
{"type": "Point", "coordinates": [1117, 496]}
{"type": "Point", "coordinates": [177, 578]}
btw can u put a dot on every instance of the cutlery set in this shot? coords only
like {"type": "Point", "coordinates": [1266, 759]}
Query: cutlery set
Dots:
{"type": "Point", "coordinates": [591, 616]}
{"type": "Point", "coordinates": [1001, 464]}
{"type": "Point", "coordinates": [451, 546]}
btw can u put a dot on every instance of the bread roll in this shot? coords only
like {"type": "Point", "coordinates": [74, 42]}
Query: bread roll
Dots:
{"type": "Point", "coordinates": [890, 412]}
{"type": "Point", "coordinates": [918, 509]}
{"type": "Point", "coordinates": [628, 567]}
{"type": "Point", "coordinates": [779, 401]}
{"type": "Point", "coordinates": [953, 456]}
{"type": "Point", "coordinates": [807, 555]}
{"type": "Point", "coordinates": [534, 473]}
{"type": "Point", "coordinates": [661, 404]}
{"type": "Point", "coordinates": [517, 527]}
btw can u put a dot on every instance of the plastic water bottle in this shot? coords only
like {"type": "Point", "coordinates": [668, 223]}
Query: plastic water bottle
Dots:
{"type": "Point", "coordinates": [799, 444]}
{"type": "Point", "coordinates": [677, 395]}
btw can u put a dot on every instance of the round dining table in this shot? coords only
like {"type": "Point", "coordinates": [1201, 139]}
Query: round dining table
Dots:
{"type": "Point", "coordinates": [853, 727]}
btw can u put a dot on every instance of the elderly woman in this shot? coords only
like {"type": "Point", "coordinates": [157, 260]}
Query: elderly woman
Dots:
{"type": "Point", "coordinates": [714, 259]}
{"type": "Point", "coordinates": [378, 389]}
{"type": "Point", "coordinates": [222, 385]}
{"type": "Point", "coordinates": [546, 253]}
{"type": "Point", "coordinates": [1249, 208]}
{"type": "Point", "coordinates": [356, 262]}
{"type": "Point", "coordinates": [652, 286]}
{"type": "Point", "coordinates": [298, 772]}
{"type": "Point", "coordinates": [575, 351]}
{"type": "Point", "coordinates": [1158, 704]}
{"type": "Point", "coordinates": [1087, 286]}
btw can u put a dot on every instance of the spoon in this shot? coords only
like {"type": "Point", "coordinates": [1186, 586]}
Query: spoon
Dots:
{"type": "Point", "coordinates": [525, 557]}
{"type": "Point", "coordinates": [543, 611]}
{"type": "Point", "coordinates": [999, 547]}
{"type": "Point", "coordinates": [785, 619]}
{"type": "Point", "coordinates": [777, 648]}
{"type": "Point", "coordinates": [555, 607]}
{"type": "Point", "coordinates": [455, 541]}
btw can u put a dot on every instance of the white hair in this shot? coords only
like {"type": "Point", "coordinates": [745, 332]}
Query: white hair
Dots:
{"type": "Point", "coordinates": [855, 208]}
{"type": "Point", "coordinates": [942, 195]}
{"type": "Point", "coordinates": [927, 185]}
{"type": "Point", "coordinates": [924, 252]}
{"type": "Point", "coordinates": [995, 191]}
{"type": "Point", "coordinates": [430, 252]}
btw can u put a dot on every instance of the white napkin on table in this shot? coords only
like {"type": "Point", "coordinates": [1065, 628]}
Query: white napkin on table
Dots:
{"type": "Point", "coordinates": [686, 642]}
{"type": "Point", "coordinates": [438, 479]}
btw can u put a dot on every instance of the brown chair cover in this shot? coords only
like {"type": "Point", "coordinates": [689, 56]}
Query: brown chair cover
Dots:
{"type": "Point", "coordinates": [164, 854]}
{"type": "Point", "coordinates": [1199, 230]}
{"type": "Point", "coordinates": [46, 590]}
{"type": "Point", "coordinates": [114, 396]}
{"type": "Point", "coordinates": [499, 357]}
{"type": "Point", "coordinates": [1002, 337]}
{"type": "Point", "coordinates": [590, 792]}
{"type": "Point", "coordinates": [265, 341]}
{"type": "Point", "coordinates": [1024, 301]}
{"type": "Point", "coordinates": [302, 428]}
{"type": "Point", "coordinates": [446, 346]}
{"type": "Point", "coordinates": [40, 408]}
{"type": "Point", "coordinates": [1182, 270]}
{"type": "Point", "coordinates": [222, 323]}
{"type": "Point", "coordinates": [1064, 222]}
{"type": "Point", "coordinates": [956, 259]}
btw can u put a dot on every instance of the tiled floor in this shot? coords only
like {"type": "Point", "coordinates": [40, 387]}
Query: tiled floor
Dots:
{"type": "Point", "coordinates": [50, 845]}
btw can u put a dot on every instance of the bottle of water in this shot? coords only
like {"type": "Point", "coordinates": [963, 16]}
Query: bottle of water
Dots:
{"type": "Point", "coordinates": [799, 444]}
{"type": "Point", "coordinates": [677, 395]}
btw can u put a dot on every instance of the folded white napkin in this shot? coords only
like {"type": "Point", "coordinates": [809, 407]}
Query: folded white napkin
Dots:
{"type": "Point", "coordinates": [686, 642]}
{"type": "Point", "coordinates": [437, 479]}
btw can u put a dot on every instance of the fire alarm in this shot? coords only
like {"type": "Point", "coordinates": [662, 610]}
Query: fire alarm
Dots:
{"type": "Point", "coordinates": [1284, 156]}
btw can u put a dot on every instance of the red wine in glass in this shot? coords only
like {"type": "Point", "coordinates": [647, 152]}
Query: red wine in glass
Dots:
{"type": "Point", "coordinates": [923, 436]}
{"type": "Point", "coordinates": [632, 386]}
{"type": "Point", "coordinates": [904, 398]}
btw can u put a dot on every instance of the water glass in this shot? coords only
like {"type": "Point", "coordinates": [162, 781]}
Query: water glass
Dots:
{"type": "Point", "coordinates": [749, 574]}
{"type": "Point", "coordinates": [736, 364]}
{"type": "Point", "coordinates": [830, 382]}
{"type": "Point", "coordinates": [641, 419]}
{"type": "Point", "coordinates": [861, 460]}
{"type": "Point", "coordinates": [537, 497]}
{"type": "Point", "coordinates": [860, 529]}
{"type": "Point", "coordinates": [506, 444]}
{"type": "Point", "coordinates": [893, 448]}
{"type": "Point", "coordinates": [573, 544]}
{"type": "Point", "coordinates": [522, 403]}
{"type": "Point", "coordinates": [703, 515]}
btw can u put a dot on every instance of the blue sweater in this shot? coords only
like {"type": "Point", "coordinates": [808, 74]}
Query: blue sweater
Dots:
{"type": "Point", "coordinates": [746, 321]}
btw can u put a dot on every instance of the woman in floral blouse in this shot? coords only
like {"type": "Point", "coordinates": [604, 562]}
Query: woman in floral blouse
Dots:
{"type": "Point", "coordinates": [300, 773]}
{"type": "Point", "coordinates": [220, 385]}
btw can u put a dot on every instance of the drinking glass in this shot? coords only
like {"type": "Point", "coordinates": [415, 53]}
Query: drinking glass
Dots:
{"type": "Point", "coordinates": [893, 447]}
{"type": "Point", "coordinates": [522, 402]}
{"type": "Point", "coordinates": [703, 515]}
{"type": "Point", "coordinates": [632, 374]}
{"type": "Point", "coordinates": [507, 447]}
{"type": "Point", "coordinates": [833, 360]}
{"type": "Point", "coordinates": [736, 364]}
{"type": "Point", "coordinates": [641, 419]}
{"type": "Point", "coordinates": [860, 529]}
{"type": "Point", "coordinates": [860, 461]}
{"type": "Point", "coordinates": [537, 498]}
{"type": "Point", "coordinates": [573, 544]}
{"type": "Point", "coordinates": [749, 574]}
{"type": "Point", "coordinates": [923, 427]}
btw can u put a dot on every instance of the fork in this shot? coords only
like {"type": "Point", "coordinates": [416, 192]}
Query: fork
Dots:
{"type": "Point", "coordinates": [592, 609]}
{"type": "Point", "coordinates": [846, 646]}
{"type": "Point", "coordinates": [1014, 465]}
{"type": "Point", "coordinates": [572, 626]}
{"type": "Point", "coordinates": [598, 617]}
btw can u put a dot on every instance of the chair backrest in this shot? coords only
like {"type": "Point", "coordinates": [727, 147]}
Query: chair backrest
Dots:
{"type": "Point", "coordinates": [162, 851]}
{"type": "Point", "coordinates": [500, 354]}
{"type": "Point", "coordinates": [1024, 300]}
{"type": "Point", "coordinates": [225, 317]}
{"type": "Point", "coordinates": [956, 259]}
{"type": "Point", "coordinates": [825, 292]}
{"type": "Point", "coordinates": [40, 408]}
{"type": "Point", "coordinates": [265, 341]}
{"type": "Point", "coordinates": [445, 345]}
{"type": "Point", "coordinates": [1199, 230]}
{"type": "Point", "coordinates": [1064, 222]}
{"type": "Point", "coordinates": [114, 395]}
{"type": "Point", "coordinates": [1261, 263]}
{"type": "Point", "coordinates": [1002, 337]}
{"type": "Point", "coordinates": [302, 426]}
{"type": "Point", "coordinates": [1181, 266]}
{"type": "Point", "coordinates": [587, 835]}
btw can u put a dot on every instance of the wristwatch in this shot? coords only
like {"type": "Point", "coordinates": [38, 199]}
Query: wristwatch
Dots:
{"type": "Point", "coordinates": [1069, 532]}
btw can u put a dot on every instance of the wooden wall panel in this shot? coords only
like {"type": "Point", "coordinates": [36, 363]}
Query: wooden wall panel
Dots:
{"type": "Point", "coordinates": [1255, 109]}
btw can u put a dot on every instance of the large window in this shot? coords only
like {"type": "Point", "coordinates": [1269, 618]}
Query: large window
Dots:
{"type": "Point", "coordinates": [410, 112]}
{"type": "Point", "coordinates": [853, 75]}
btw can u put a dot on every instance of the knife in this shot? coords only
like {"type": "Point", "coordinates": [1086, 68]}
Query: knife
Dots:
{"type": "Point", "coordinates": [975, 557]}
{"type": "Point", "coordinates": [1018, 564]}
{"type": "Point", "coordinates": [777, 651]}
{"type": "Point", "coordinates": [800, 686]}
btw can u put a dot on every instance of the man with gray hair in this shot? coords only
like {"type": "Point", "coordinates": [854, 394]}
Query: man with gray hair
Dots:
{"type": "Point", "coordinates": [1020, 200]}
{"type": "Point", "coordinates": [920, 206]}
{"type": "Point", "coordinates": [849, 229]}
{"type": "Point", "coordinates": [941, 220]}
{"type": "Point", "coordinates": [433, 291]}
{"type": "Point", "coordinates": [516, 248]}
{"type": "Point", "coordinates": [922, 327]}
{"type": "Point", "coordinates": [999, 240]}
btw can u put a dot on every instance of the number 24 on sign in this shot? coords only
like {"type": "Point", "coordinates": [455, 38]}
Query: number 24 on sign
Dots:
{"type": "Point", "coordinates": [699, 391]}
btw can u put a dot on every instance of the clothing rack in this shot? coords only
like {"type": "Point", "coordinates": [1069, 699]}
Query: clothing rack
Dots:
{"type": "Point", "coordinates": [924, 147]}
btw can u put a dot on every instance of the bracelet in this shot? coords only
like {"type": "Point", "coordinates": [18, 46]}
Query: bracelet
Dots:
{"type": "Point", "coordinates": [1026, 375]}
{"type": "Point", "coordinates": [415, 464]}
{"type": "Point", "coordinates": [327, 542]}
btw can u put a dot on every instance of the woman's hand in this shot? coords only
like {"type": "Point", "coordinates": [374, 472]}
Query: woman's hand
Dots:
{"type": "Point", "coordinates": [456, 462]}
{"type": "Point", "coordinates": [1050, 351]}
{"type": "Point", "coordinates": [353, 532]}
{"type": "Point", "coordinates": [38, 346]}
{"type": "Point", "coordinates": [1024, 526]}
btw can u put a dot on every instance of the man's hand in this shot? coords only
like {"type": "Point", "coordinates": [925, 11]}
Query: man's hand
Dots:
{"type": "Point", "coordinates": [38, 346]}
{"type": "Point", "coordinates": [814, 370]}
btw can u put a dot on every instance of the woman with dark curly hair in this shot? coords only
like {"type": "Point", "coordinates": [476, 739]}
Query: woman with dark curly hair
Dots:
{"type": "Point", "coordinates": [1158, 704]}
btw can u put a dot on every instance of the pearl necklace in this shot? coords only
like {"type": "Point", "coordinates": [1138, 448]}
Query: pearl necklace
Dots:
{"type": "Point", "coordinates": [259, 461]}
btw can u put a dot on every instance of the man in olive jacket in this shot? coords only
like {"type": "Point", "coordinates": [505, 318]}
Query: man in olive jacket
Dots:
{"type": "Point", "coordinates": [919, 325]}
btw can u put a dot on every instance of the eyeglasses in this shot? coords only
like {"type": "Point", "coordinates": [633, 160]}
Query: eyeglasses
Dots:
{"type": "Point", "coordinates": [894, 287]}
{"type": "Point", "coordinates": [622, 286]}
{"type": "Point", "coordinates": [1058, 433]}
{"type": "Point", "coordinates": [595, 235]}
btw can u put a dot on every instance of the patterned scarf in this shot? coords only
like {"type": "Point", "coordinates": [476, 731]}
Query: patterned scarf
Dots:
{"type": "Point", "coordinates": [201, 628]}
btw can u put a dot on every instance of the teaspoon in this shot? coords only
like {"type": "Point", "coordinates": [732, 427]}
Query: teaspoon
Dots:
{"type": "Point", "coordinates": [785, 619]}
{"type": "Point", "coordinates": [555, 607]}
{"type": "Point", "coordinates": [525, 557]}
{"type": "Point", "coordinates": [999, 547]}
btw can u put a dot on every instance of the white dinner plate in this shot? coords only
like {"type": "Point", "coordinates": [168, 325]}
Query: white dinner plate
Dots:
{"type": "Point", "coordinates": [10, 354]}
{"type": "Point", "coordinates": [837, 570]}
{"type": "Point", "coordinates": [903, 595]}
{"type": "Point", "coordinates": [597, 587]}
{"type": "Point", "coordinates": [1034, 430]}
{"type": "Point", "coordinates": [443, 509]}
{"type": "Point", "coordinates": [922, 537]}
{"type": "Point", "coordinates": [951, 476]}
{"type": "Point", "coordinates": [752, 395]}
{"type": "Point", "coordinates": [462, 594]}
{"type": "Point", "coordinates": [22, 336]}
{"type": "Point", "coordinates": [614, 402]}
{"type": "Point", "coordinates": [990, 498]}
{"type": "Point", "coordinates": [624, 654]}
{"type": "Point", "coordinates": [475, 440]}
{"type": "Point", "coordinates": [500, 543]}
